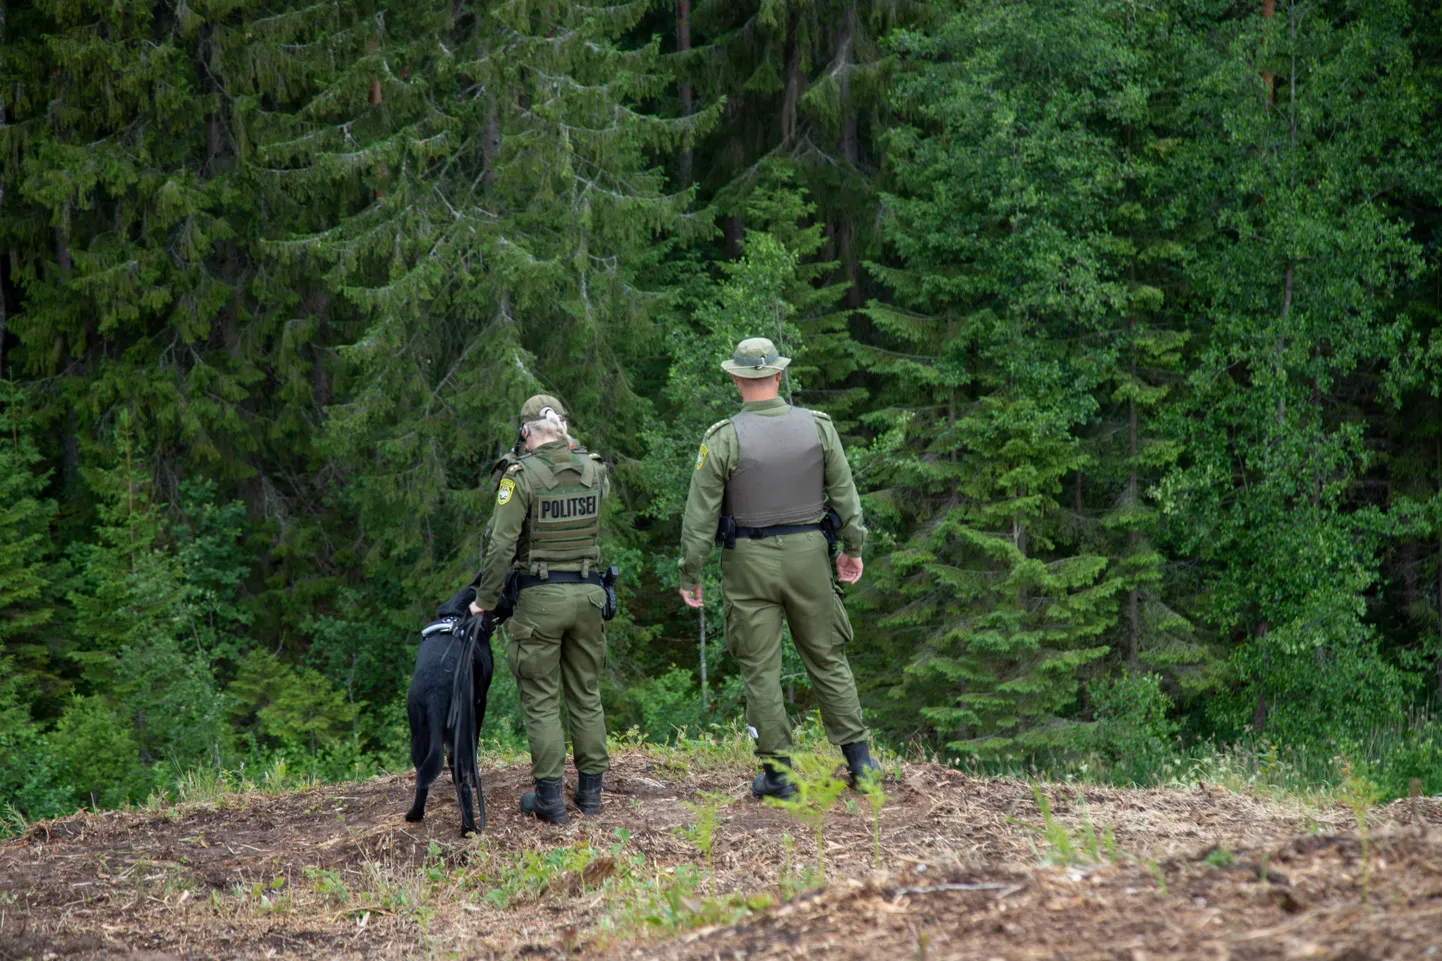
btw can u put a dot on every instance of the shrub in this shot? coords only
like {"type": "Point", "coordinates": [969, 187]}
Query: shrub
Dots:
{"type": "Point", "coordinates": [1132, 734]}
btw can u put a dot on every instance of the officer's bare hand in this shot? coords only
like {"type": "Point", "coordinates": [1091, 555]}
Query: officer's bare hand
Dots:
{"type": "Point", "coordinates": [475, 609]}
{"type": "Point", "coordinates": [692, 597]}
{"type": "Point", "coordinates": [848, 568]}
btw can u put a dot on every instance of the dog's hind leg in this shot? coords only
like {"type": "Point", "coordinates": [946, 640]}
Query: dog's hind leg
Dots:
{"type": "Point", "coordinates": [463, 793]}
{"type": "Point", "coordinates": [427, 753]}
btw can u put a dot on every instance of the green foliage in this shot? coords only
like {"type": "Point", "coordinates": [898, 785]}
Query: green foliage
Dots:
{"type": "Point", "coordinates": [668, 703]}
{"type": "Point", "coordinates": [99, 754]}
{"type": "Point", "coordinates": [288, 707]}
{"type": "Point", "coordinates": [816, 793]}
{"type": "Point", "coordinates": [32, 779]}
{"type": "Point", "coordinates": [703, 832]}
{"type": "Point", "coordinates": [26, 571]}
{"type": "Point", "coordinates": [1132, 734]}
{"type": "Point", "coordinates": [1130, 316]}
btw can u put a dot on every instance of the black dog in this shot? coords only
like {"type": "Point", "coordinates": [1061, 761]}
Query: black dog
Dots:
{"type": "Point", "coordinates": [446, 705]}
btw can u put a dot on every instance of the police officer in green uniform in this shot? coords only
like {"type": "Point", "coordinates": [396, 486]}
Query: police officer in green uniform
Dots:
{"type": "Point", "coordinates": [545, 533]}
{"type": "Point", "coordinates": [768, 474]}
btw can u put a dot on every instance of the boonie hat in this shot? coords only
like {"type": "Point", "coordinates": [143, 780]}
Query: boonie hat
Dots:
{"type": "Point", "coordinates": [535, 408]}
{"type": "Point", "coordinates": [755, 357]}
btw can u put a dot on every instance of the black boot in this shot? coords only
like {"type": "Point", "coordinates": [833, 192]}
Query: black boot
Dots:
{"type": "Point", "coordinates": [545, 802]}
{"type": "Point", "coordinates": [860, 764]}
{"type": "Point", "coordinates": [588, 793]}
{"type": "Point", "coordinates": [773, 780]}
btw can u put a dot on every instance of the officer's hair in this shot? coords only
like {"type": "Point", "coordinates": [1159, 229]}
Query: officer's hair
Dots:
{"type": "Point", "coordinates": [549, 428]}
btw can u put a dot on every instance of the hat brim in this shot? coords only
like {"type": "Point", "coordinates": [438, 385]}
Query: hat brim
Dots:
{"type": "Point", "coordinates": [767, 370]}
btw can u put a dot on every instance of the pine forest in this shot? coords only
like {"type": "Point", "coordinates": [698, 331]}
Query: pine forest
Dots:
{"type": "Point", "coordinates": [1129, 314]}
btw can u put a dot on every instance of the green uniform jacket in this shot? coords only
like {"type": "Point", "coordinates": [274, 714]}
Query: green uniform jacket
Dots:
{"type": "Point", "coordinates": [508, 523]}
{"type": "Point", "coordinates": [715, 462]}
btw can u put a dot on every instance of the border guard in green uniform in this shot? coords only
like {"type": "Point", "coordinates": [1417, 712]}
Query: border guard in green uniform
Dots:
{"type": "Point", "coordinates": [544, 552]}
{"type": "Point", "coordinates": [773, 487]}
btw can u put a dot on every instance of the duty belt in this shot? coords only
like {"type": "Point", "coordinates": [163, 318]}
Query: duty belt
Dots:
{"type": "Point", "coordinates": [524, 581]}
{"type": "Point", "coordinates": [441, 626]}
{"type": "Point", "coordinates": [757, 533]}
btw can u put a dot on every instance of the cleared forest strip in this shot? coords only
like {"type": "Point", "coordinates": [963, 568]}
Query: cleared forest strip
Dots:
{"type": "Point", "coordinates": [336, 872]}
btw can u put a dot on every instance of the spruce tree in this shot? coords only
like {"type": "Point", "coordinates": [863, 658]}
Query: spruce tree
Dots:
{"type": "Point", "coordinates": [27, 592]}
{"type": "Point", "coordinates": [133, 635]}
{"type": "Point", "coordinates": [509, 209]}
{"type": "Point", "coordinates": [1004, 277]}
{"type": "Point", "coordinates": [1296, 121]}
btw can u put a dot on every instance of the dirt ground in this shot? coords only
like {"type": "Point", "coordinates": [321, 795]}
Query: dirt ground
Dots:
{"type": "Point", "coordinates": [966, 873]}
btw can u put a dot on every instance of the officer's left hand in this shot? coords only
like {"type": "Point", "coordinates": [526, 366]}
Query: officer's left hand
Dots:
{"type": "Point", "coordinates": [475, 609]}
{"type": "Point", "coordinates": [848, 568]}
{"type": "Point", "coordinates": [692, 597]}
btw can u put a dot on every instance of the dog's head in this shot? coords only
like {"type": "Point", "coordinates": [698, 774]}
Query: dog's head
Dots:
{"type": "Point", "coordinates": [459, 605]}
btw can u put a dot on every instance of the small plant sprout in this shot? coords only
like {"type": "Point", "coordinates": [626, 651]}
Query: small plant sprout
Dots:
{"type": "Point", "coordinates": [788, 887]}
{"type": "Point", "coordinates": [703, 832]}
{"type": "Point", "coordinates": [816, 791]}
{"type": "Point", "coordinates": [1057, 837]}
{"type": "Point", "coordinates": [1156, 870]}
{"type": "Point", "coordinates": [1359, 794]}
{"type": "Point", "coordinates": [877, 797]}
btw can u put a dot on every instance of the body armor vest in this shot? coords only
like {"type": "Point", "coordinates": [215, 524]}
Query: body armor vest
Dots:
{"type": "Point", "coordinates": [780, 471]}
{"type": "Point", "coordinates": [563, 528]}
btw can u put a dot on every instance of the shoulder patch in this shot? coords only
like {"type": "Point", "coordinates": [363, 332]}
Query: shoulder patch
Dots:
{"type": "Point", "coordinates": [503, 495]}
{"type": "Point", "coordinates": [701, 456]}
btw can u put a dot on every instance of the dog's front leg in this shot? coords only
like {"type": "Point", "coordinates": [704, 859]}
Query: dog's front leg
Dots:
{"type": "Point", "coordinates": [418, 809]}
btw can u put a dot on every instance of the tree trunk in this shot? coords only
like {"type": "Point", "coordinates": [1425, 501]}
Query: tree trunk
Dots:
{"type": "Point", "coordinates": [793, 81]}
{"type": "Point", "coordinates": [1259, 712]}
{"type": "Point", "coordinates": [845, 41]}
{"type": "Point", "coordinates": [734, 229]}
{"type": "Point", "coordinates": [1439, 616]}
{"type": "Point", "coordinates": [4, 313]}
{"type": "Point", "coordinates": [850, 151]}
{"type": "Point", "coordinates": [491, 144]}
{"type": "Point", "coordinates": [1134, 620]}
{"type": "Point", "coordinates": [1269, 80]}
{"type": "Point", "coordinates": [683, 45]}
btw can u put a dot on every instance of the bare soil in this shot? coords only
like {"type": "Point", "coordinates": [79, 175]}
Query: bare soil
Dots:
{"type": "Point", "coordinates": [1202, 873]}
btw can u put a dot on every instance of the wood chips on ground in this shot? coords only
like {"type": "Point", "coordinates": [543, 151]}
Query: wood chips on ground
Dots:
{"type": "Point", "coordinates": [1203, 874]}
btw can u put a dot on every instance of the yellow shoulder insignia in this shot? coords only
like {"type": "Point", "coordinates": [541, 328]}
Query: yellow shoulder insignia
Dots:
{"type": "Point", "coordinates": [503, 496]}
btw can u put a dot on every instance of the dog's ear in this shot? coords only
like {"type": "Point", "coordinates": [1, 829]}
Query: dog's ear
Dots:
{"type": "Point", "coordinates": [459, 605]}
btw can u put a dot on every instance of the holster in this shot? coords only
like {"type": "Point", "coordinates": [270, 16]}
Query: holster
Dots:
{"type": "Point", "coordinates": [608, 581]}
{"type": "Point", "coordinates": [506, 603]}
{"type": "Point", "coordinates": [726, 531]}
{"type": "Point", "coordinates": [831, 529]}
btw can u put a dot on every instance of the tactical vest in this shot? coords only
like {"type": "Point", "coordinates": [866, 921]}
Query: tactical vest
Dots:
{"type": "Point", "coordinates": [564, 523]}
{"type": "Point", "coordinates": [780, 471]}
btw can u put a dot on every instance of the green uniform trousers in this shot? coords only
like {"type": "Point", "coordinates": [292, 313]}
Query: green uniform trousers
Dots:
{"type": "Point", "coordinates": [789, 576]}
{"type": "Point", "coordinates": [558, 642]}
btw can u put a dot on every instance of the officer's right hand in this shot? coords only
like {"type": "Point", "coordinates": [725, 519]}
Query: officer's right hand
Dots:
{"type": "Point", "coordinates": [692, 597]}
{"type": "Point", "coordinates": [848, 568]}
